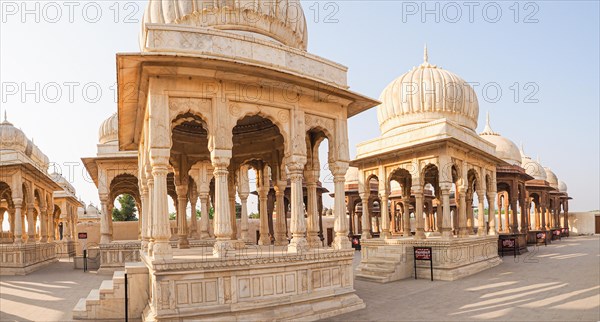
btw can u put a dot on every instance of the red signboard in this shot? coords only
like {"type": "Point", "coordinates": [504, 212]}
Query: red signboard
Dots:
{"type": "Point", "coordinates": [82, 235]}
{"type": "Point", "coordinates": [423, 253]}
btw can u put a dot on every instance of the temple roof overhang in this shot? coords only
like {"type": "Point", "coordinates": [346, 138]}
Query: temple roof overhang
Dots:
{"type": "Point", "coordinates": [135, 69]}
{"type": "Point", "coordinates": [423, 137]}
{"type": "Point", "coordinates": [91, 164]}
{"type": "Point", "coordinates": [513, 171]}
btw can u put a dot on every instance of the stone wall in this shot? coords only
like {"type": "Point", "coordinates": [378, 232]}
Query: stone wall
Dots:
{"type": "Point", "coordinates": [582, 223]}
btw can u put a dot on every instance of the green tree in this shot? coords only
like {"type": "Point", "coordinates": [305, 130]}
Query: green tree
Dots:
{"type": "Point", "coordinates": [127, 212]}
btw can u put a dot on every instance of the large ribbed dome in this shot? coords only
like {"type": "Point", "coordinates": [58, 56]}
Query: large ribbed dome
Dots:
{"type": "Point", "coordinates": [532, 167]}
{"type": "Point", "coordinates": [424, 94]}
{"type": "Point", "coordinates": [551, 178]}
{"type": "Point", "coordinates": [12, 138]}
{"type": "Point", "coordinates": [109, 130]}
{"type": "Point", "coordinates": [281, 20]}
{"type": "Point", "coordinates": [506, 149]}
{"type": "Point", "coordinates": [562, 186]}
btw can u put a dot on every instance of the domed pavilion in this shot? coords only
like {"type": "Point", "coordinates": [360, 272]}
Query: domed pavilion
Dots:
{"type": "Point", "coordinates": [428, 142]}
{"type": "Point", "coordinates": [31, 197]}
{"type": "Point", "coordinates": [219, 88]}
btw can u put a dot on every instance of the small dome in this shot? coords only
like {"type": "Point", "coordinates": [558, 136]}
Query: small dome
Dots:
{"type": "Point", "coordinates": [109, 130]}
{"type": "Point", "coordinates": [352, 175]}
{"type": "Point", "coordinates": [12, 138]}
{"type": "Point", "coordinates": [281, 20]}
{"type": "Point", "coordinates": [58, 178]}
{"type": "Point", "coordinates": [91, 210]}
{"type": "Point", "coordinates": [532, 168]}
{"type": "Point", "coordinates": [424, 94]}
{"type": "Point", "coordinates": [506, 149]}
{"type": "Point", "coordinates": [551, 178]}
{"type": "Point", "coordinates": [562, 186]}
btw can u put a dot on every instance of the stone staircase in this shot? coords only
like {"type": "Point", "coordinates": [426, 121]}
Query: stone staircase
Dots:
{"type": "Point", "coordinates": [376, 269]}
{"type": "Point", "coordinates": [383, 266]}
{"type": "Point", "coordinates": [108, 301]}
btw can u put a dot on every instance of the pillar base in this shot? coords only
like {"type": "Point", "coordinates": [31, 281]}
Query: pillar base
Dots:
{"type": "Point", "coordinates": [183, 242]}
{"type": "Point", "coordinates": [419, 234]}
{"type": "Point", "coordinates": [341, 242]}
{"type": "Point", "coordinates": [365, 234]}
{"type": "Point", "coordinates": [264, 241]}
{"type": "Point", "coordinates": [223, 248]}
{"type": "Point", "coordinates": [314, 241]}
{"type": "Point", "coordinates": [386, 234]}
{"type": "Point", "coordinates": [297, 245]}
{"type": "Point", "coordinates": [162, 250]}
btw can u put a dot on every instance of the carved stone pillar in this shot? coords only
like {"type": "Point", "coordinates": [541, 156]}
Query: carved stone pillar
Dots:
{"type": "Point", "coordinates": [470, 215]}
{"type": "Point", "coordinates": [182, 229]}
{"type": "Point", "coordinates": [263, 192]}
{"type": "Point", "coordinates": [340, 225]}
{"type": "Point", "coordinates": [514, 226]}
{"type": "Point", "coordinates": [406, 216]}
{"type": "Point", "coordinates": [43, 225]}
{"type": "Point", "coordinates": [365, 222]}
{"type": "Point", "coordinates": [418, 192]}
{"type": "Point", "coordinates": [492, 212]}
{"type": "Point", "coordinates": [150, 212]}
{"type": "Point", "coordinates": [144, 214]}
{"type": "Point", "coordinates": [30, 224]}
{"type": "Point", "coordinates": [104, 224]}
{"type": "Point", "coordinates": [480, 213]}
{"type": "Point", "coordinates": [506, 204]}
{"type": "Point", "coordinates": [18, 232]}
{"type": "Point", "coordinates": [462, 212]}
{"type": "Point", "coordinates": [446, 220]}
{"type": "Point", "coordinates": [161, 230]}
{"type": "Point", "coordinates": [280, 221]}
{"type": "Point", "coordinates": [298, 222]}
{"type": "Point", "coordinates": [385, 217]}
{"type": "Point", "coordinates": [204, 215]}
{"type": "Point", "coordinates": [51, 229]}
{"type": "Point", "coordinates": [222, 218]}
{"type": "Point", "coordinates": [312, 224]}
{"type": "Point", "coordinates": [243, 192]}
{"type": "Point", "coordinates": [193, 228]}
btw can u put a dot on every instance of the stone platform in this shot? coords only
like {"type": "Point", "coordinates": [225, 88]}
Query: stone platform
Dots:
{"type": "Point", "coordinates": [256, 283]}
{"type": "Point", "coordinates": [387, 260]}
{"type": "Point", "coordinates": [25, 258]}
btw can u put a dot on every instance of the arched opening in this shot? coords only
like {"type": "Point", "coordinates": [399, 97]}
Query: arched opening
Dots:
{"type": "Point", "coordinates": [374, 220]}
{"type": "Point", "coordinates": [259, 146]}
{"type": "Point", "coordinates": [400, 183]}
{"type": "Point", "coordinates": [125, 208]}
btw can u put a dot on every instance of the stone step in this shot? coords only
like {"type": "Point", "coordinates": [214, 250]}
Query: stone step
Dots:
{"type": "Point", "coordinates": [107, 286]}
{"type": "Point", "coordinates": [377, 270]}
{"type": "Point", "coordinates": [381, 260]}
{"type": "Point", "coordinates": [80, 311]}
{"type": "Point", "coordinates": [372, 278]}
{"type": "Point", "coordinates": [93, 298]}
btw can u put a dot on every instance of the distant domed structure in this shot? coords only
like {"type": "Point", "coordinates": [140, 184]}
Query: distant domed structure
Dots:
{"type": "Point", "coordinates": [109, 130]}
{"type": "Point", "coordinates": [551, 178]}
{"type": "Point", "coordinates": [427, 93]}
{"type": "Point", "coordinates": [506, 149]}
{"type": "Point", "coordinates": [562, 186]}
{"type": "Point", "coordinates": [352, 175]}
{"type": "Point", "coordinates": [14, 139]}
{"type": "Point", "coordinates": [66, 185]}
{"type": "Point", "coordinates": [282, 21]}
{"type": "Point", "coordinates": [532, 167]}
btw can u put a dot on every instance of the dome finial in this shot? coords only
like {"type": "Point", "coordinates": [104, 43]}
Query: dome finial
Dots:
{"type": "Point", "coordinates": [487, 130]}
{"type": "Point", "coordinates": [425, 55]}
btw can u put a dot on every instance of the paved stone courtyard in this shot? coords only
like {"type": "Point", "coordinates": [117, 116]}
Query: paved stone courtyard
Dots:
{"type": "Point", "coordinates": [560, 282]}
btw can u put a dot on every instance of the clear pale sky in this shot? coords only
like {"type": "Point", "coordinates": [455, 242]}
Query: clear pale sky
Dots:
{"type": "Point", "coordinates": [551, 52]}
